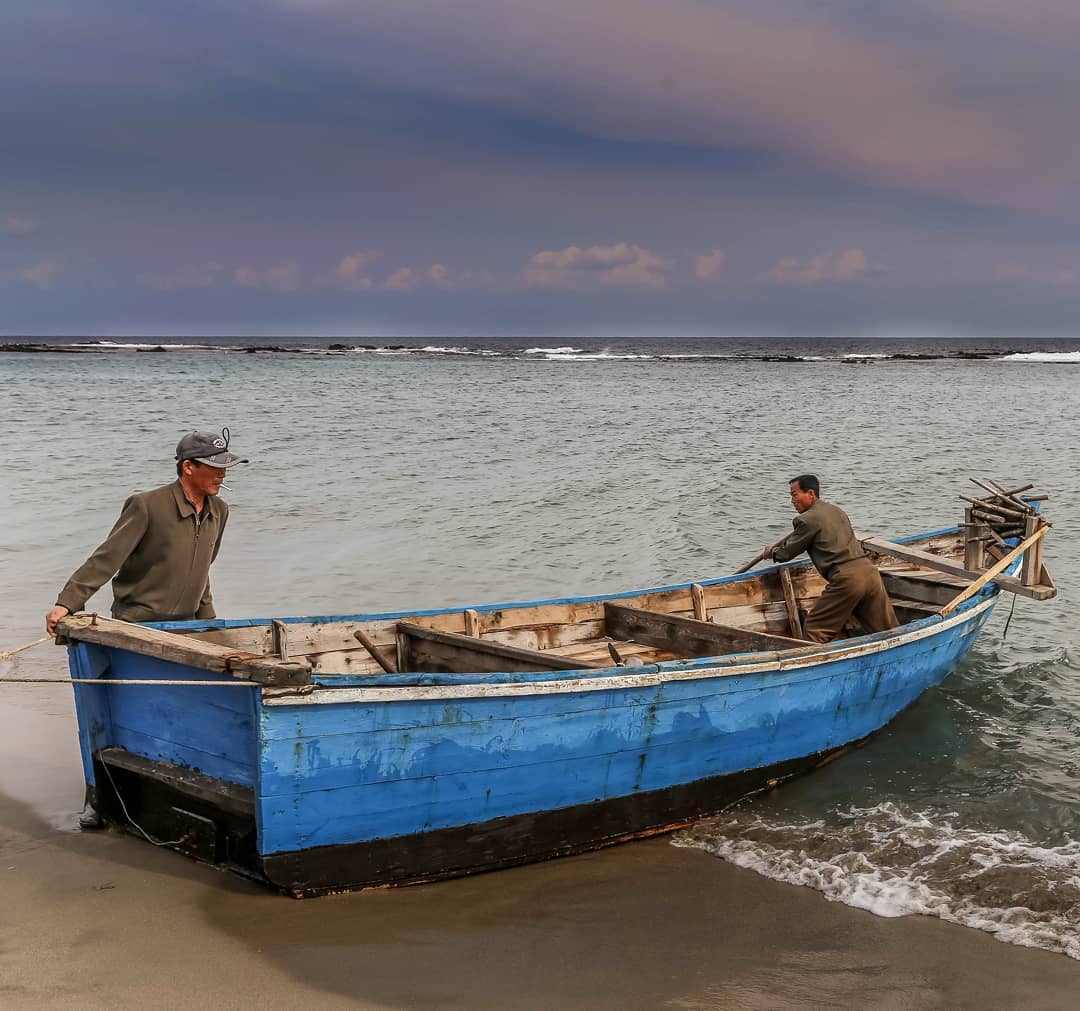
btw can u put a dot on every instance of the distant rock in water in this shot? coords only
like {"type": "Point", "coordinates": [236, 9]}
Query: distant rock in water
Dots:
{"type": "Point", "coordinates": [48, 348]}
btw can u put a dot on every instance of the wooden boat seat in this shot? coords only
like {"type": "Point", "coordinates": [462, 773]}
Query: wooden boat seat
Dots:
{"type": "Point", "coordinates": [689, 637]}
{"type": "Point", "coordinates": [429, 651]}
{"type": "Point", "coordinates": [921, 586]}
{"type": "Point", "coordinates": [912, 610]}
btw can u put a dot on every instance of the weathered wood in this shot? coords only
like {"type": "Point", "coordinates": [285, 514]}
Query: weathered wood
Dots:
{"type": "Point", "coordinates": [994, 507]}
{"type": "Point", "coordinates": [912, 610]}
{"type": "Point", "coordinates": [792, 605]}
{"type": "Point", "coordinates": [474, 623]}
{"type": "Point", "coordinates": [1013, 497]}
{"type": "Point", "coordinates": [973, 549]}
{"type": "Point", "coordinates": [181, 649]}
{"type": "Point", "coordinates": [425, 650]}
{"type": "Point", "coordinates": [697, 592]}
{"type": "Point", "coordinates": [926, 588]}
{"type": "Point", "coordinates": [1033, 560]}
{"type": "Point", "coordinates": [915, 556]}
{"type": "Point", "coordinates": [379, 656]}
{"type": "Point", "coordinates": [686, 636]}
{"type": "Point", "coordinates": [994, 570]}
{"type": "Point", "coordinates": [999, 491]}
{"type": "Point", "coordinates": [281, 639]}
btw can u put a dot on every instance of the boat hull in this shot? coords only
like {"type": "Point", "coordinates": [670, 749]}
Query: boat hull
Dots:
{"type": "Point", "coordinates": [342, 787]}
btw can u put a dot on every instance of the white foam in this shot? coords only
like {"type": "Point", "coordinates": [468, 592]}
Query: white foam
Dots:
{"type": "Point", "coordinates": [553, 351]}
{"type": "Point", "coordinates": [135, 346]}
{"type": "Point", "coordinates": [1068, 357]}
{"type": "Point", "coordinates": [892, 863]}
{"type": "Point", "coordinates": [598, 356]}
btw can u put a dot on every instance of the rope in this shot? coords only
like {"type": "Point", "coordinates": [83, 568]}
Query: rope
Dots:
{"type": "Point", "coordinates": [128, 681]}
{"type": "Point", "coordinates": [123, 807]}
{"type": "Point", "coordinates": [29, 645]}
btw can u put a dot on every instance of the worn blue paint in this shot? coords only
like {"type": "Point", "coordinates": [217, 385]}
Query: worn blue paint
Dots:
{"type": "Point", "coordinates": [354, 771]}
{"type": "Point", "coordinates": [410, 770]}
{"type": "Point", "coordinates": [211, 731]}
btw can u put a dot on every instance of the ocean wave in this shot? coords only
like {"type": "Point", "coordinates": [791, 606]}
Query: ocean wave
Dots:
{"type": "Point", "coordinates": [894, 863]}
{"type": "Point", "coordinates": [552, 351]}
{"type": "Point", "coordinates": [108, 345]}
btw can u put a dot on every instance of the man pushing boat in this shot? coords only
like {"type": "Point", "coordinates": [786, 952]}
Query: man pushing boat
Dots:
{"type": "Point", "coordinates": [824, 532]}
{"type": "Point", "coordinates": [161, 548]}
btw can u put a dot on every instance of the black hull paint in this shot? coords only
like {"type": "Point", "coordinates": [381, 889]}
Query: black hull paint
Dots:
{"type": "Point", "coordinates": [211, 822]}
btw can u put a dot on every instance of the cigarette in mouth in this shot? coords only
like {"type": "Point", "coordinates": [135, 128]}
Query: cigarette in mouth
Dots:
{"type": "Point", "coordinates": [225, 486]}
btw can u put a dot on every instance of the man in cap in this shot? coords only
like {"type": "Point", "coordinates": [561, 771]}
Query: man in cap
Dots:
{"type": "Point", "coordinates": [824, 532]}
{"type": "Point", "coordinates": [161, 547]}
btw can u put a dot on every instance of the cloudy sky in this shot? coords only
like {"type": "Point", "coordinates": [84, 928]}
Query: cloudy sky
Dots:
{"type": "Point", "coordinates": [596, 167]}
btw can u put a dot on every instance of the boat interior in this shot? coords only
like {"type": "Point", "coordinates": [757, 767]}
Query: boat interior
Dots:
{"type": "Point", "coordinates": [759, 612]}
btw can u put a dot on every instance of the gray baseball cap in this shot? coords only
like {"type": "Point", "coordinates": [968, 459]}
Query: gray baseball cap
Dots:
{"type": "Point", "coordinates": [209, 448]}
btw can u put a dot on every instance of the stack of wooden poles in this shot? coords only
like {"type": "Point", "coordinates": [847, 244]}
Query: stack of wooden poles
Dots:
{"type": "Point", "coordinates": [1001, 513]}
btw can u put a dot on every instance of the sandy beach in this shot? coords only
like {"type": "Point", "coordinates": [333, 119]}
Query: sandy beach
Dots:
{"type": "Point", "coordinates": [102, 920]}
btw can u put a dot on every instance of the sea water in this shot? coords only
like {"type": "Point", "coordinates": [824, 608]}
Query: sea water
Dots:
{"type": "Point", "coordinates": [396, 473]}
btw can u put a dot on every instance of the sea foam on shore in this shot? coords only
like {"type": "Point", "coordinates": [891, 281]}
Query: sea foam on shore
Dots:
{"type": "Point", "coordinates": [893, 863]}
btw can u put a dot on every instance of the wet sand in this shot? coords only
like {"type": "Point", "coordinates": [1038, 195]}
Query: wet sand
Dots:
{"type": "Point", "coordinates": [103, 920]}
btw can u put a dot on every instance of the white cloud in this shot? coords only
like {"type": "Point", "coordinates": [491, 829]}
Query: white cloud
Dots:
{"type": "Point", "coordinates": [623, 265]}
{"type": "Point", "coordinates": [200, 275]}
{"type": "Point", "coordinates": [438, 275]}
{"type": "Point", "coordinates": [15, 224]}
{"type": "Point", "coordinates": [403, 279]}
{"type": "Point", "coordinates": [281, 278]}
{"type": "Point", "coordinates": [350, 272]}
{"type": "Point", "coordinates": [709, 265]}
{"type": "Point", "coordinates": [41, 274]}
{"type": "Point", "coordinates": [846, 265]}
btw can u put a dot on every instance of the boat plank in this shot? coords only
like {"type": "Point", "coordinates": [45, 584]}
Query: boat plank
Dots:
{"type": "Point", "coordinates": [687, 637]}
{"type": "Point", "coordinates": [395, 807]}
{"type": "Point", "coordinates": [424, 649]}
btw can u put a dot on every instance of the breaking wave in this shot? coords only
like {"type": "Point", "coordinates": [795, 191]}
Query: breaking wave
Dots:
{"type": "Point", "coordinates": [1065, 357]}
{"type": "Point", "coordinates": [894, 863]}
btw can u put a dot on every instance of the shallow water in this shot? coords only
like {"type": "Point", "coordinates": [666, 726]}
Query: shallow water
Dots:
{"type": "Point", "coordinates": [416, 476]}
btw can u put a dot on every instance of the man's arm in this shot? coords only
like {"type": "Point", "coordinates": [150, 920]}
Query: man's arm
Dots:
{"type": "Point", "coordinates": [795, 543]}
{"type": "Point", "coordinates": [109, 556]}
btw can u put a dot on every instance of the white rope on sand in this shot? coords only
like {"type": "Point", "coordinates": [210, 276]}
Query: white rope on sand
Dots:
{"type": "Point", "coordinates": [29, 645]}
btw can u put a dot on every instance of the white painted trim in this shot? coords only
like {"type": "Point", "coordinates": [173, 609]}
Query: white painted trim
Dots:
{"type": "Point", "coordinates": [327, 695]}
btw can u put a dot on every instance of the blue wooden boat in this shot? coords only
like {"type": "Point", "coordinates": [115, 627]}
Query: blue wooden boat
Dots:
{"type": "Point", "coordinates": [514, 732]}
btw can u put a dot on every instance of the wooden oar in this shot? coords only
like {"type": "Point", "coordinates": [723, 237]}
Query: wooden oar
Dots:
{"type": "Point", "coordinates": [750, 564]}
{"type": "Point", "coordinates": [376, 654]}
{"type": "Point", "coordinates": [994, 570]}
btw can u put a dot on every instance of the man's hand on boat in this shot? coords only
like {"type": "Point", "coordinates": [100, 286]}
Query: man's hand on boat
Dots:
{"type": "Point", "coordinates": [54, 616]}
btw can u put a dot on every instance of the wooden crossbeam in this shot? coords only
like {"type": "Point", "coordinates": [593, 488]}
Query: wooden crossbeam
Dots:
{"type": "Point", "coordinates": [916, 556]}
{"type": "Point", "coordinates": [688, 637]}
{"type": "Point", "coordinates": [427, 650]}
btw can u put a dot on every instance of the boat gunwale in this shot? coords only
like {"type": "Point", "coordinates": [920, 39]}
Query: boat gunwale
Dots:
{"type": "Point", "coordinates": [649, 675]}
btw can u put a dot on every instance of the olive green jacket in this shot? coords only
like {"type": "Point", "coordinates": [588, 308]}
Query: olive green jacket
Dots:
{"type": "Point", "coordinates": [824, 533]}
{"type": "Point", "coordinates": [160, 551]}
